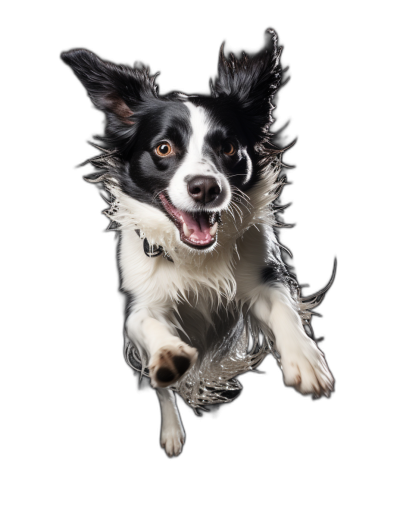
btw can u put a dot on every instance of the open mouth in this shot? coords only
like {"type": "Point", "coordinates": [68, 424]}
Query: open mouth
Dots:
{"type": "Point", "coordinates": [196, 229]}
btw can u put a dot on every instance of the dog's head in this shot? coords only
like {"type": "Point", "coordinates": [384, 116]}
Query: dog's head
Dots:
{"type": "Point", "coordinates": [190, 157]}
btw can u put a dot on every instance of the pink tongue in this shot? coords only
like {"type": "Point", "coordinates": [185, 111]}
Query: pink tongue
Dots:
{"type": "Point", "coordinates": [200, 226]}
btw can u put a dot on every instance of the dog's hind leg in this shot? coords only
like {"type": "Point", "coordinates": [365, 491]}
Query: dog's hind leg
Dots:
{"type": "Point", "coordinates": [169, 357]}
{"type": "Point", "coordinates": [172, 436]}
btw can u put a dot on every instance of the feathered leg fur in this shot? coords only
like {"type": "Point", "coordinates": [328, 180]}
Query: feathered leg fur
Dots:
{"type": "Point", "coordinates": [272, 305]}
{"type": "Point", "coordinates": [303, 364]}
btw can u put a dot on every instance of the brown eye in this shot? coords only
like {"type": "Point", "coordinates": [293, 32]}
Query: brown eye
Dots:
{"type": "Point", "coordinates": [164, 149]}
{"type": "Point", "coordinates": [228, 149]}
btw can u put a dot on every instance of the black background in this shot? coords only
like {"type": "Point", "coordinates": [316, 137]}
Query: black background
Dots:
{"type": "Point", "coordinates": [102, 420]}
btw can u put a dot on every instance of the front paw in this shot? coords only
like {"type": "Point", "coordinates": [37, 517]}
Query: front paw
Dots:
{"type": "Point", "coordinates": [170, 363]}
{"type": "Point", "coordinates": [304, 368]}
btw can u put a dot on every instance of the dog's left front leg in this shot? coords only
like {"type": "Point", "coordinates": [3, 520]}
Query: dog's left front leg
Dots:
{"type": "Point", "coordinates": [303, 364]}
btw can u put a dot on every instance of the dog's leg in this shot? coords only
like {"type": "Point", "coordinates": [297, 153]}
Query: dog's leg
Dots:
{"type": "Point", "coordinates": [169, 356]}
{"type": "Point", "coordinates": [303, 364]}
{"type": "Point", "coordinates": [172, 436]}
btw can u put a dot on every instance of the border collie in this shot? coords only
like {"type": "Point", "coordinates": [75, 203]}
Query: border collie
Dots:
{"type": "Point", "coordinates": [193, 183]}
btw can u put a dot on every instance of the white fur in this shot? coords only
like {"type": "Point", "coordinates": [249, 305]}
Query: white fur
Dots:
{"type": "Point", "coordinates": [228, 272]}
{"type": "Point", "coordinates": [303, 364]}
{"type": "Point", "coordinates": [172, 436]}
{"type": "Point", "coordinates": [196, 163]}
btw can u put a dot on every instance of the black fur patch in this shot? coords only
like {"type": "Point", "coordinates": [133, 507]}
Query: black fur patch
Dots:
{"type": "Point", "coordinates": [276, 273]}
{"type": "Point", "coordinates": [271, 274]}
{"type": "Point", "coordinates": [250, 83]}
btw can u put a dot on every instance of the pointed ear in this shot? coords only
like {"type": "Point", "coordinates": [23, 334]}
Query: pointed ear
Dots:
{"type": "Point", "coordinates": [251, 83]}
{"type": "Point", "coordinates": [114, 89]}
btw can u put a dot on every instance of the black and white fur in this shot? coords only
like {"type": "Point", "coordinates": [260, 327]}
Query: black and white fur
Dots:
{"type": "Point", "coordinates": [223, 177]}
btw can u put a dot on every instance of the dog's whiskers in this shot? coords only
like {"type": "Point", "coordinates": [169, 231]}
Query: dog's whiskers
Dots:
{"type": "Point", "coordinates": [231, 212]}
{"type": "Point", "coordinates": [240, 193]}
{"type": "Point", "coordinates": [237, 199]}
{"type": "Point", "coordinates": [154, 198]}
{"type": "Point", "coordinates": [238, 210]}
{"type": "Point", "coordinates": [239, 203]}
{"type": "Point", "coordinates": [236, 205]}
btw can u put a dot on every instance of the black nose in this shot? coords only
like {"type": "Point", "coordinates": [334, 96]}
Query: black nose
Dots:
{"type": "Point", "coordinates": [203, 189]}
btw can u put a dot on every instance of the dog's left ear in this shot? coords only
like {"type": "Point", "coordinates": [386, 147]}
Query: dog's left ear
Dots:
{"type": "Point", "coordinates": [249, 84]}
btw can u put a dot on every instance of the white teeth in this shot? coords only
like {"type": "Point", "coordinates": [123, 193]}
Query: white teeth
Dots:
{"type": "Point", "coordinates": [214, 228]}
{"type": "Point", "coordinates": [186, 230]}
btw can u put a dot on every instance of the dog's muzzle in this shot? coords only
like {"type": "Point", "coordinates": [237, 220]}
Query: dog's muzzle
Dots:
{"type": "Point", "coordinates": [196, 229]}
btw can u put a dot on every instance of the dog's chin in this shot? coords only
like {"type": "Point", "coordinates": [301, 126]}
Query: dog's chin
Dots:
{"type": "Point", "coordinates": [198, 230]}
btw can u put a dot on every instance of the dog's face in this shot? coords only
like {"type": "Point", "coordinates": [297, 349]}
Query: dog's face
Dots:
{"type": "Point", "coordinates": [188, 156]}
{"type": "Point", "coordinates": [190, 159]}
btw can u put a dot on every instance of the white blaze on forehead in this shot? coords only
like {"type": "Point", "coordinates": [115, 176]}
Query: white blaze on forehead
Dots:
{"type": "Point", "coordinates": [200, 127]}
{"type": "Point", "coordinates": [196, 163]}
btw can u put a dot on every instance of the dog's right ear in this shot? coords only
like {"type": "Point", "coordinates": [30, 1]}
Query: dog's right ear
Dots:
{"type": "Point", "coordinates": [114, 89]}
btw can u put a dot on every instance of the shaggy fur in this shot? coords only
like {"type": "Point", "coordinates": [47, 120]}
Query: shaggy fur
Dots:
{"type": "Point", "coordinates": [197, 179]}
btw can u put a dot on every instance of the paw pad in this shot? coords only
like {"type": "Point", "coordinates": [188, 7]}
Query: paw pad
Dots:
{"type": "Point", "coordinates": [181, 364]}
{"type": "Point", "coordinates": [164, 375]}
{"type": "Point", "coordinates": [170, 363]}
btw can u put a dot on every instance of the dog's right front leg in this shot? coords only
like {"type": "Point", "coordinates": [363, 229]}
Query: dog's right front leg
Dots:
{"type": "Point", "coordinates": [169, 357]}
